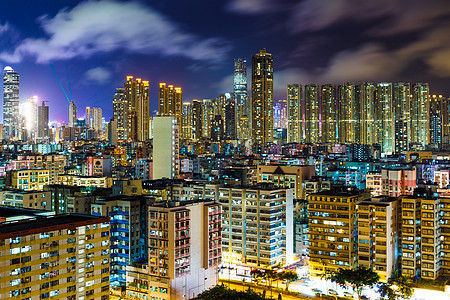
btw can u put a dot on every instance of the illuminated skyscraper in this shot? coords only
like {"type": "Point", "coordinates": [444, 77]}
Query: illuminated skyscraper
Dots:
{"type": "Point", "coordinates": [29, 115]}
{"type": "Point", "coordinates": [42, 123]}
{"type": "Point", "coordinates": [88, 118]}
{"type": "Point", "coordinates": [385, 117]}
{"type": "Point", "coordinates": [207, 111]}
{"type": "Point", "coordinates": [186, 131]}
{"type": "Point", "coordinates": [11, 102]}
{"type": "Point", "coordinates": [170, 102]}
{"type": "Point", "coordinates": [230, 118]}
{"type": "Point", "coordinates": [72, 114]}
{"type": "Point", "coordinates": [166, 150]}
{"type": "Point", "coordinates": [365, 96]}
{"type": "Point", "coordinates": [294, 113]}
{"type": "Point", "coordinates": [262, 97]}
{"type": "Point", "coordinates": [137, 98]}
{"type": "Point", "coordinates": [312, 113]}
{"type": "Point", "coordinates": [243, 111]}
{"type": "Point", "coordinates": [437, 111]}
{"type": "Point", "coordinates": [329, 115]}
{"type": "Point", "coordinates": [120, 114]}
{"type": "Point", "coordinates": [96, 121]}
{"type": "Point", "coordinates": [349, 114]}
{"type": "Point", "coordinates": [402, 110]}
{"type": "Point", "coordinates": [420, 115]}
{"type": "Point", "coordinates": [196, 119]}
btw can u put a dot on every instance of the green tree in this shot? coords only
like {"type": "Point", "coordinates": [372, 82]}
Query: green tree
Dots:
{"type": "Point", "coordinates": [256, 275]}
{"type": "Point", "coordinates": [225, 293]}
{"type": "Point", "coordinates": [357, 278]}
{"type": "Point", "coordinates": [397, 287]}
{"type": "Point", "coordinates": [288, 276]}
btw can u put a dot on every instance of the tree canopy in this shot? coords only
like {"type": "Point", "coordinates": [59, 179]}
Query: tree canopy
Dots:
{"type": "Point", "coordinates": [223, 292]}
{"type": "Point", "coordinates": [397, 287]}
{"type": "Point", "coordinates": [357, 278]}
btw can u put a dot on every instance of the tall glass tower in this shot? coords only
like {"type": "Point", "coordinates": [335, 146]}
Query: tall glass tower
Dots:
{"type": "Point", "coordinates": [243, 112]}
{"type": "Point", "coordinates": [11, 102]}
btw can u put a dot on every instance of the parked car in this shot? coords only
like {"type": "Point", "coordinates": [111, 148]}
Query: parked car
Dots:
{"type": "Point", "coordinates": [332, 292]}
{"type": "Point", "coordinates": [348, 295]}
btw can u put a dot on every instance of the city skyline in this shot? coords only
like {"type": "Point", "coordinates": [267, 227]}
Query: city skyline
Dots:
{"type": "Point", "coordinates": [318, 52]}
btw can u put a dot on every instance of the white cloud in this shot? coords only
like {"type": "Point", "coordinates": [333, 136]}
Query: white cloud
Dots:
{"type": "Point", "coordinates": [103, 26]}
{"type": "Point", "coordinates": [98, 75]}
{"type": "Point", "coordinates": [251, 6]}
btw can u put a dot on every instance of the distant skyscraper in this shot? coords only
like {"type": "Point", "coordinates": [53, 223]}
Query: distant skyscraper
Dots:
{"type": "Point", "coordinates": [43, 132]}
{"type": "Point", "coordinates": [186, 131]}
{"type": "Point", "coordinates": [11, 102]}
{"type": "Point", "coordinates": [88, 117]}
{"type": "Point", "coordinates": [385, 117]}
{"type": "Point", "coordinates": [402, 111]}
{"type": "Point", "coordinates": [120, 114]}
{"type": "Point", "coordinates": [207, 117]}
{"type": "Point", "coordinates": [365, 96]}
{"type": "Point", "coordinates": [329, 114]}
{"type": "Point", "coordinates": [72, 114]}
{"type": "Point", "coordinates": [170, 102]}
{"type": "Point", "coordinates": [30, 116]}
{"type": "Point", "coordinates": [96, 121]}
{"type": "Point", "coordinates": [437, 107]}
{"type": "Point", "coordinates": [420, 114]}
{"type": "Point", "coordinates": [243, 111]}
{"type": "Point", "coordinates": [280, 114]}
{"type": "Point", "coordinates": [294, 113]}
{"type": "Point", "coordinates": [349, 114]}
{"type": "Point", "coordinates": [262, 97]}
{"type": "Point", "coordinates": [137, 97]}
{"type": "Point", "coordinates": [196, 119]}
{"type": "Point", "coordinates": [230, 118]}
{"type": "Point", "coordinates": [312, 113]}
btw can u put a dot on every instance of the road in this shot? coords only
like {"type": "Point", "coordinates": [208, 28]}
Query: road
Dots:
{"type": "Point", "coordinates": [239, 287]}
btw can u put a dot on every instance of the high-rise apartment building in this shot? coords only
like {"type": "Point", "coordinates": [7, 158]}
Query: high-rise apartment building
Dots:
{"type": "Point", "coordinates": [312, 114]}
{"type": "Point", "coordinates": [420, 105]}
{"type": "Point", "coordinates": [385, 117]}
{"type": "Point", "coordinates": [184, 250]}
{"type": "Point", "coordinates": [402, 113]}
{"type": "Point", "coordinates": [166, 152]}
{"type": "Point", "coordinates": [42, 123]}
{"type": "Point", "coordinates": [197, 119]}
{"type": "Point", "coordinates": [329, 113]}
{"type": "Point", "coordinates": [97, 120]}
{"type": "Point", "coordinates": [243, 109]}
{"type": "Point", "coordinates": [257, 225]}
{"type": "Point", "coordinates": [332, 230]}
{"type": "Point", "coordinates": [29, 115]}
{"type": "Point", "coordinates": [230, 118]}
{"type": "Point", "coordinates": [186, 130]}
{"type": "Point", "coordinates": [262, 97]}
{"type": "Point", "coordinates": [438, 108]}
{"type": "Point", "coordinates": [73, 117]}
{"type": "Point", "coordinates": [421, 235]}
{"type": "Point", "coordinates": [378, 235]}
{"type": "Point", "coordinates": [120, 114]}
{"type": "Point", "coordinates": [138, 120]}
{"type": "Point", "coordinates": [365, 96]}
{"type": "Point", "coordinates": [349, 114]}
{"type": "Point", "coordinates": [11, 102]}
{"type": "Point", "coordinates": [295, 132]}
{"type": "Point", "coordinates": [170, 102]}
{"type": "Point", "coordinates": [88, 118]}
{"type": "Point", "coordinates": [208, 114]}
{"type": "Point", "coordinates": [53, 256]}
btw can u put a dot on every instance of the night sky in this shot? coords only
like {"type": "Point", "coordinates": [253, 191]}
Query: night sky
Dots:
{"type": "Point", "coordinates": [192, 44]}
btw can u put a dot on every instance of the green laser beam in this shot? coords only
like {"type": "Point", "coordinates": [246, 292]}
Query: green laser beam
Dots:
{"type": "Point", "coordinates": [59, 81]}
